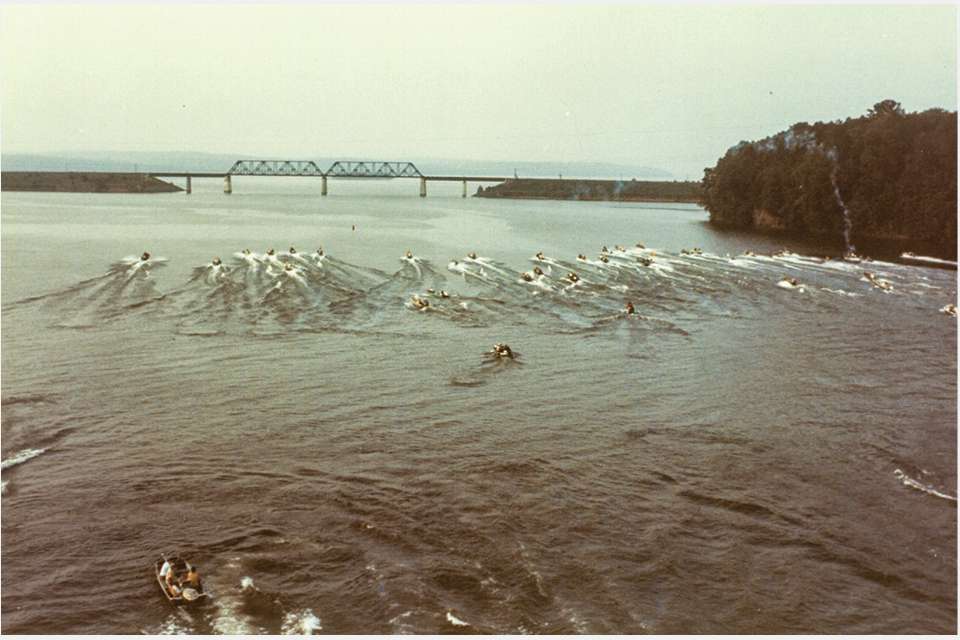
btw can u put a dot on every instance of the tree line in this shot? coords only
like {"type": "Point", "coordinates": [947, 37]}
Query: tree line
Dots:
{"type": "Point", "coordinates": [579, 189]}
{"type": "Point", "coordinates": [895, 172]}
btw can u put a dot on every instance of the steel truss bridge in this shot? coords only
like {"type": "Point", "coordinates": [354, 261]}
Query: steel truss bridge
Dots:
{"type": "Point", "coordinates": [275, 168]}
{"type": "Point", "coordinates": [309, 169]}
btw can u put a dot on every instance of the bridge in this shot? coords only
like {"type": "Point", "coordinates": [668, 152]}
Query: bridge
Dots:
{"type": "Point", "coordinates": [308, 169]}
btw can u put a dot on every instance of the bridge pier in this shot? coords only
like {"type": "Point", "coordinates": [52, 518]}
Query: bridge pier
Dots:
{"type": "Point", "coordinates": [464, 189]}
{"type": "Point", "coordinates": [423, 187]}
{"type": "Point", "coordinates": [227, 184]}
{"type": "Point", "coordinates": [323, 185]}
{"type": "Point", "coordinates": [189, 186]}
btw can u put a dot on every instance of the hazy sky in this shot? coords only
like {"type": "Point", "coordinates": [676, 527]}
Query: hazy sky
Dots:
{"type": "Point", "coordinates": [662, 86]}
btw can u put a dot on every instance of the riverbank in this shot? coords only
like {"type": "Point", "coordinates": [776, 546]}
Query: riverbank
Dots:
{"type": "Point", "coordinates": [594, 190]}
{"type": "Point", "coordinates": [84, 182]}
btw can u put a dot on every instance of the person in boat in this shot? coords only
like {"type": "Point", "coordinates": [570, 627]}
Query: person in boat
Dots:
{"type": "Point", "coordinates": [877, 282]}
{"type": "Point", "coordinates": [572, 277]}
{"type": "Point", "coordinates": [540, 255]}
{"type": "Point", "coordinates": [538, 271]}
{"type": "Point", "coordinates": [629, 309]}
{"type": "Point", "coordinates": [526, 277]}
{"type": "Point", "coordinates": [192, 579]}
{"type": "Point", "coordinates": [165, 567]}
{"type": "Point", "coordinates": [216, 261]}
{"type": "Point", "coordinates": [604, 259]}
{"type": "Point", "coordinates": [271, 252]}
{"type": "Point", "coordinates": [408, 255]}
{"type": "Point", "coordinates": [170, 579]}
{"type": "Point", "coordinates": [145, 256]}
{"type": "Point", "coordinates": [501, 350]}
{"type": "Point", "coordinates": [872, 277]}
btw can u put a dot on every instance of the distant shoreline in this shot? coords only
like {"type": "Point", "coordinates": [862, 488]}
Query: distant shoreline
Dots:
{"type": "Point", "coordinates": [83, 182]}
{"type": "Point", "coordinates": [686, 192]}
{"type": "Point", "coordinates": [591, 199]}
{"type": "Point", "coordinates": [594, 190]}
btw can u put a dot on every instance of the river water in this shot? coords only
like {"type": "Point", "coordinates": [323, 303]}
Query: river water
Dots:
{"type": "Point", "coordinates": [739, 456]}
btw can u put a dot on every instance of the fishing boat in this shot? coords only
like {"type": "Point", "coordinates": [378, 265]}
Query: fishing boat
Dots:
{"type": "Point", "coordinates": [187, 595]}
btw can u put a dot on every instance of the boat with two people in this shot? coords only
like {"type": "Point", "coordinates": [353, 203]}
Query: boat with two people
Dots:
{"type": "Point", "coordinates": [179, 580]}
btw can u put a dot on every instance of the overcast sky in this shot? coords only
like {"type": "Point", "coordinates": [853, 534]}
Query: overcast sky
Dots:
{"type": "Point", "coordinates": [660, 86]}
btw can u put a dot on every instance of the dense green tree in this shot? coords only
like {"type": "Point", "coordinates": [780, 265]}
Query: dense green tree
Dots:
{"type": "Point", "coordinates": [896, 172]}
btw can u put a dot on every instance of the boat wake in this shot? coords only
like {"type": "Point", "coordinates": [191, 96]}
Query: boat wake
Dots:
{"type": "Point", "coordinates": [273, 293]}
{"type": "Point", "coordinates": [20, 457]}
{"type": "Point", "coordinates": [919, 486]}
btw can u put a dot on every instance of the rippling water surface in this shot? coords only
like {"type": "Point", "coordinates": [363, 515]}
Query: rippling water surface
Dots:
{"type": "Point", "coordinates": [740, 455]}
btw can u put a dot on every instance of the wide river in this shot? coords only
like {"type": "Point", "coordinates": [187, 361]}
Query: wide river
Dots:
{"type": "Point", "coordinates": [740, 455]}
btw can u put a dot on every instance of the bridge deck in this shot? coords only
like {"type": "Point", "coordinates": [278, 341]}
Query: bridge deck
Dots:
{"type": "Point", "coordinates": [184, 174]}
{"type": "Point", "coordinates": [204, 174]}
{"type": "Point", "coordinates": [467, 178]}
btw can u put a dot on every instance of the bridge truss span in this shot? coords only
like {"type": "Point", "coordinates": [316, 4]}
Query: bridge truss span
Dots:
{"type": "Point", "coordinates": [339, 169]}
{"type": "Point", "coordinates": [275, 168]}
{"type": "Point", "coordinates": [366, 169]}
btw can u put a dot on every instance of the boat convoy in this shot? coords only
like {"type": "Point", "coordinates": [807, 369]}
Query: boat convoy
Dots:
{"type": "Point", "coordinates": [179, 580]}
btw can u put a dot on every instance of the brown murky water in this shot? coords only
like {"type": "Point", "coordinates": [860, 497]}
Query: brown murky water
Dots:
{"type": "Point", "coordinates": [737, 457]}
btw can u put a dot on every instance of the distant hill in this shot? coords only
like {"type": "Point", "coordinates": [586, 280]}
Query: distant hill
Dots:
{"type": "Point", "coordinates": [146, 161]}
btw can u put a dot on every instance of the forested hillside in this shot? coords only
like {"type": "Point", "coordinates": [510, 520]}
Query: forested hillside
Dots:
{"type": "Point", "coordinates": [895, 172]}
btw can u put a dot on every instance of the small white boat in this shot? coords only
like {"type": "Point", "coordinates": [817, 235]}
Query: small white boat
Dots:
{"type": "Point", "coordinates": [910, 258]}
{"type": "Point", "coordinates": [186, 595]}
{"type": "Point", "coordinates": [854, 258]}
